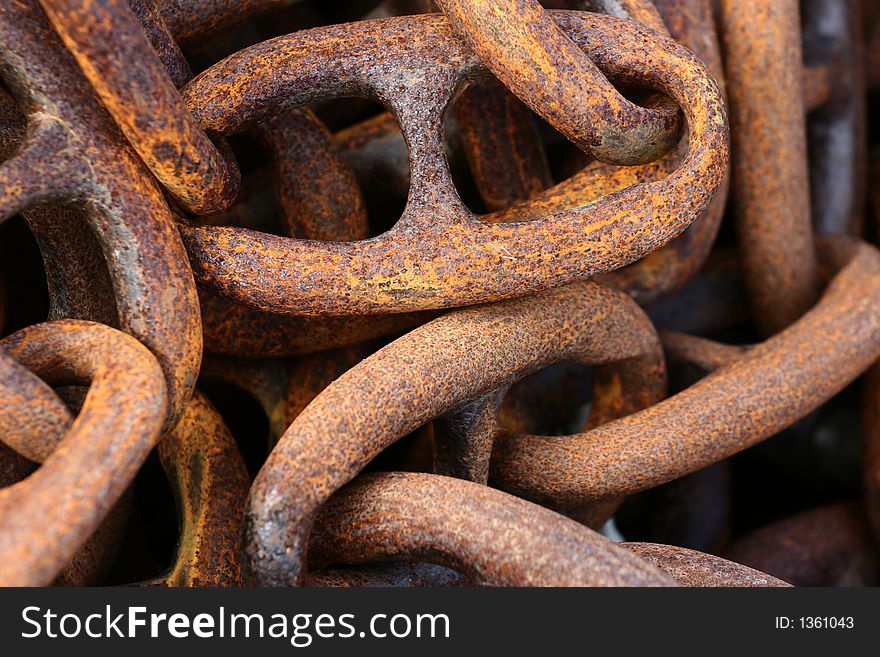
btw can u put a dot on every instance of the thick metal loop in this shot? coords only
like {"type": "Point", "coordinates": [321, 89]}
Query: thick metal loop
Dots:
{"type": "Point", "coordinates": [438, 255]}
{"type": "Point", "coordinates": [459, 357]}
{"type": "Point", "coordinates": [46, 517]}
{"type": "Point", "coordinates": [762, 47]}
{"type": "Point", "coordinates": [482, 532]}
{"type": "Point", "coordinates": [129, 78]}
{"type": "Point", "coordinates": [648, 448]}
{"type": "Point", "coordinates": [154, 296]}
{"type": "Point", "coordinates": [521, 44]}
{"type": "Point", "coordinates": [827, 546]}
{"type": "Point", "coordinates": [210, 485]}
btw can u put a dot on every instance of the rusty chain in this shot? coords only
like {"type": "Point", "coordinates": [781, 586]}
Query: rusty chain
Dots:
{"type": "Point", "coordinates": [453, 293]}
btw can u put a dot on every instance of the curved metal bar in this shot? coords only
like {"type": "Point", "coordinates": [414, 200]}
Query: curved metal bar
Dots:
{"type": "Point", "coordinates": [173, 61]}
{"type": "Point", "coordinates": [481, 532]}
{"type": "Point", "coordinates": [316, 187]}
{"type": "Point", "coordinates": [706, 354]}
{"type": "Point", "coordinates": [33, 419]}
{"type": "Point", "coordinates": [502, 145]}
{"type": "Point", "coordinates": [763, 61]}
{"type": "Point", "coordinates": [116, 56]}
{"type": "Point", "coordinates": [438, 255]}
{"type": "Point", "coordinates": [210, 485]}
{"type": "Point", "coordinates": [521, 44]}
{"type": "Point", "coordinates": [733, 408]}
{"type": "Point", "coordinates": [459, 357]}
{"type": "Point", "coordinates": [826, 546]}
{"type": "Point", "coordinates": [45, 518]}
{"type": "Point", "coordinates": [395, 574]}
{"type": "Point", "coordinates": [235, 330]}
{"type": "Point", "coordinates": [642, 11]}
{"type": "Point", "coordinates": [693, 568]}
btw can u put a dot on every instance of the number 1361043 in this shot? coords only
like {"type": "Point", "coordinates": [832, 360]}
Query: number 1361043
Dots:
{"type": "Point", "coordinates": [815, 623]}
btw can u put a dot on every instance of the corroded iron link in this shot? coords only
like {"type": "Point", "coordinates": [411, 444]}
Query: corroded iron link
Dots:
{"type": "Point", "coordinates": [129, 78]}
{"type": "Point", "coordinates": [438, 254]}
{"type": "Point", "coordinates": [521, 44]}
{"type": "Point", "coordinates": [125, 240]}
{"type": "Point", "coordinates": [762, 47]}
{"type": "Point", "coordinates": [48, 515]}
{"type": "Point", "coordinates": [474, 307]}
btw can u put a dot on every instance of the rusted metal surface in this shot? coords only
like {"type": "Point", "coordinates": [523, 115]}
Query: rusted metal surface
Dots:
{"type": "Point", "coordinates": [194, 18]}
{"type": "Point", "coordinates": [92, 561]}
{"type": "Point", "coordinates": [48, 515]}
{"type": "Point", "coordinates": [438, 254]}
{"type": "Point", "coordinates": [316, 187]}
{"type": "Point", "coordinates": [462, 356]}
{"type": "Point", "coordinates": [240, 331]}
{"type": "Point", "coordinates": [402, 341]}
{"type": "Point", "coordinates": [763, 65]}
{"type": "Point", "coordinates": [154, 297]}
{"type": "Point", "coordinates": [521, 44]}
{"type": "Point", "coordinates": [32, 417]}
{"type": "Point", "coordinates": [397, 575]}
{"type": "Point", "coordinates": [402, 515]}
{"type": "Point", "coordinates": [502, 145]}
{"type": "Point", "coordinates": [283, 388]}
{"type": "Point", "coordinates": [642, 11]}
{"type": "Point", "coordinates": [827, 546]}
{"type": "Point", "coordinates": [34, 421]}
{"type": "Point", "coordinates": [669, 268]}
{"type": "Point", "coordinates": [718, 416]}
{"type": "Point", "coordinates": [706, 354]}
{"type": "Point", "coordinates": [210, 485]}
{"type": "Point", "coordinates": [692, 568]}
{"type": "Point", "coordinates": [150, 17]}
{"type": "Point", "coordinates": [133, 86]}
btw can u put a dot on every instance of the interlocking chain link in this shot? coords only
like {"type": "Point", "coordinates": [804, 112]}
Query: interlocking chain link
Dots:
{"type": "Point", "coordinates": [405, 293]}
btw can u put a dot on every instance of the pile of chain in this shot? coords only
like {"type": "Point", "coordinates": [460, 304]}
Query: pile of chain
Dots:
{"type": "Point", "coordinates": [402, 293]}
